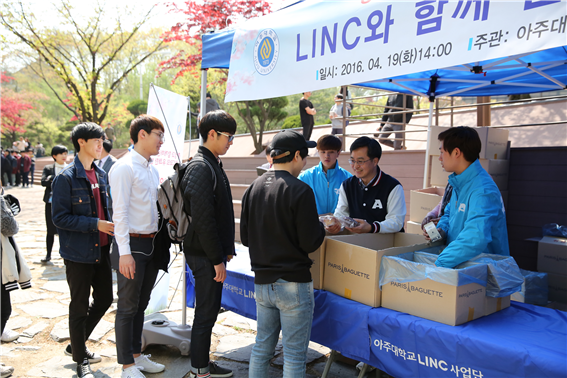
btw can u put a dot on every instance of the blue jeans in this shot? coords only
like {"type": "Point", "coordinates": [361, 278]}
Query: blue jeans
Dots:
{"type": "Point", "coordinates": [287, 306]}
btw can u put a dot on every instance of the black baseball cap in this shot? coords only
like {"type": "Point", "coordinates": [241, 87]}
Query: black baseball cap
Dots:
{"type": "Point", "coordinates": [289, 141]}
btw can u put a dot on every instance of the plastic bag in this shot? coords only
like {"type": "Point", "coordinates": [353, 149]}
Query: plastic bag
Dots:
{"type": "Point", "coordinates": [504, 276]}
{"type": "Point", "coordinates": [417, 266]}
{"type": "Point", "coordinates": [534, 289]}
{"type": "Point", "coordinates": [330, 220]}
{"type": "Point", "coordinates": [553, 229]}
{"type": "Point", "coordinates": [347, 221]}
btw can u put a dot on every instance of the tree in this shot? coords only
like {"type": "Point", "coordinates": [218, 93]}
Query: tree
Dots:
{"type": "Point", "coordinates": [137, 107]}
{"type": "Point", "coordinates": [268, 112]}
{"type": "Point", "coordinates": [88, 59]}
{"type": "Point", "coordinates": [204, 17]}
{"type": "Point", "coordinates": [16, 110]}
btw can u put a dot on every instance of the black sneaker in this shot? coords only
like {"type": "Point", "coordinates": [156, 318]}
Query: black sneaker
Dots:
{"type": "Point", "coordinates": [215, 371]}
{"type": "Point", "coordinates": [46, 260]}
{"type": "Point", "coordinates": [84, 370]}
{"type": "Point", "coordinates": [219, 372]}
{"type": "Point", "coordinates": [92, 357]}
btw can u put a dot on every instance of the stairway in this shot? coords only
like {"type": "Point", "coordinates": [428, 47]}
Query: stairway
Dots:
{"type": "Point", "coordinates": [406, 166]}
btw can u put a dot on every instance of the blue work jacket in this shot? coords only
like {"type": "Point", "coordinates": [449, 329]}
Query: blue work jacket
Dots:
{"type": "Point", "coordinates": [74, 212]}
{"type": "Point", "coordinates": [325, 186]}
{"type": "Point", "coordinates": [474, 219]}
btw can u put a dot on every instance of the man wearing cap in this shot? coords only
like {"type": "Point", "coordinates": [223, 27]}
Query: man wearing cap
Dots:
{"type": "Point", "coordinates": [373, 198]}
{"type": "Point", "coordinates": [279, 224]}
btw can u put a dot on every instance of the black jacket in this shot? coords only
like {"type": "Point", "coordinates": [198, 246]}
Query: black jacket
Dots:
{"type": "Point", "coordinates": [279, 223]}
{"type": "Point", "coordinates": [46, 179]}
{"type": "Point", "coordinates": [211, 233]}
{"type": "Point", "coordinates": [397, 100]}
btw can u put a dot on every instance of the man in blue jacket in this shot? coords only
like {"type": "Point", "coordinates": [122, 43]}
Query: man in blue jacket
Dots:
{"type": "Point", "coordinates": [474, 221]}
{"type": "Point", "coordinates": [326, 178]}
{"type": "Point", "coordinates": [80, 213]}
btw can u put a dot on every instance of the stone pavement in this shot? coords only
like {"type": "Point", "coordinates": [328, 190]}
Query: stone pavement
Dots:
{"type": "Point", "coordinates": [39, 315]}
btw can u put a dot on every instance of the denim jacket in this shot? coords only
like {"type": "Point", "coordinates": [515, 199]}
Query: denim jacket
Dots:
{"type": "Point", "coordinates": [75, 215]}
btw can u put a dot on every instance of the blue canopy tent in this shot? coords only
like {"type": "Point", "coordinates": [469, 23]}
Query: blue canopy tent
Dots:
{"type": "Point", "coordinates": [534, 68]}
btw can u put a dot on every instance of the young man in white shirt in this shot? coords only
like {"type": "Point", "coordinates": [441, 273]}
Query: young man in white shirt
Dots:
{"type": "Point", "coordinates": [106, 162]}
{"type": "Point", "coordinates": [134, 181]}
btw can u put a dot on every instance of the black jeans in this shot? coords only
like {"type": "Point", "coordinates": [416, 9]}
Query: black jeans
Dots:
{"type": "Point", "coordinates": [307, 130]}
{"type": "Point", "coordinates": [208, 295]}
{"type": "Point", "coordinates": [133, 298]}
{"type": "Point", "coordinates": [6, 304]}
{"type": "Point", "coordinates": [83, 317]}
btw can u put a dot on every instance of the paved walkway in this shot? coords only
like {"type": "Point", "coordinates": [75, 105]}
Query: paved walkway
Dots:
{"type": "Point", "coordinates": [40, 316]}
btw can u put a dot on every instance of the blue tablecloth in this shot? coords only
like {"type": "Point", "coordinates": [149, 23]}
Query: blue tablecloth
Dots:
{"type": "Point", "coordinates": [520, 341]}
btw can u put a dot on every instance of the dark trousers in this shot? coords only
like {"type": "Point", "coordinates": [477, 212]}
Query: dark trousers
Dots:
{"type": "Point", "coordinates": [25, 178]}
{"type": "Point", "coordinates": [83, 317]}
{"type": "Point", "coordinates": [307, 130]}
{"type": "Point", "coordinates": [51, 230]}
{"type": "Point", "coordinates": [208, 295]}
{"type": "Point", "coordinates": [133, 298]}
{"type": "Point", "coordinates": [32, 172]}
{"type": "Point", "coordinates": [6, 304]}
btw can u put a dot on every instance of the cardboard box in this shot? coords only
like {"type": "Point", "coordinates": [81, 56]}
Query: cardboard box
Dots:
{"type": "Point", "coordinates": [317, 269]}
{"type": "Point", "coordinates": [492, 305]}
{"type": "Point", "coordinates": [552, 255]}
{"type": "Point", "coordinates": [437, 301]}
{"type": "Point", "coordinates": [557, 287]}
{"type": "Point", "coordinates": [434, 138]}
{"type": "Point", "coordinates": [494, 141]}
{"type": "Point", "coordinates": [497, 169]}
{"type": "Point", "coordinates": [414, 228]}
{"type": "Point", "coordinates": [422, 201]}
{"type": "Point", "coordinates": [352, 263]}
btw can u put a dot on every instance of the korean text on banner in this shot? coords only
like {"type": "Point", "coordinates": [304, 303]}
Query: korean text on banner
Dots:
{"type": "Point", "coordinates": [321, 44]}
{"type": "Point", "coordinates": [170, 107]}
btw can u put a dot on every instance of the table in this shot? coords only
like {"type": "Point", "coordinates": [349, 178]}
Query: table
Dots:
{"type": "Point", "coordinates": [520, 341]}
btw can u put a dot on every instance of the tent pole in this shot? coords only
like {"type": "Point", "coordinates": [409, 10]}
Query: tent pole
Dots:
{"type": "Point", "coordinates": [203, 108]}
{"type": "Point", "coordinates": [427, 152]}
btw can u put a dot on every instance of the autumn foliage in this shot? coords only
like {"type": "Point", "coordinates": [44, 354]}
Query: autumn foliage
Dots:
{"type": "Point", "coordinates": [13, 109]}
{"type": "Point", "coordinates": [204, 17]}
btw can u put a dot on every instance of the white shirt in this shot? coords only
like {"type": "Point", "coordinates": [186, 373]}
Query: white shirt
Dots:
{"type": "Point", "coordinates": [396, 209]}
{"type": "Point", "coordinates": [134, 183]}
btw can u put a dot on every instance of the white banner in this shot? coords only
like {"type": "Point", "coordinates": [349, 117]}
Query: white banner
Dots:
{"type": "Point", "coordinates": [321, 44]}
{"type": "Point", "coordinates": [172, 113]}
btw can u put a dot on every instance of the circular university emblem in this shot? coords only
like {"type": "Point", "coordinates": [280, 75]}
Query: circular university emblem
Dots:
{"type": "Point", "coordinates": [179, 129]}
{"type": "Point", "coordinates": [266, 51]}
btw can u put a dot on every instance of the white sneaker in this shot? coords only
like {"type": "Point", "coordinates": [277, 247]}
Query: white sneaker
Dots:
{"type": "Point", "coordinates": [132, 372]}
{"type": "Point", "coordinates": [6, 371]}
{"type": "Point", "coordinates": [145, 364]}
{"type": "Point", "coordinates": [9, 335]}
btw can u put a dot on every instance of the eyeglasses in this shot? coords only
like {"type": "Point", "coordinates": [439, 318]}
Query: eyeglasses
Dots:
{"type": "Point", "coordinates": [230, 137]}
{"type": "Point", "coordinates": [358, 162]}
{"type": "Point", "coordinates": [161, 136]}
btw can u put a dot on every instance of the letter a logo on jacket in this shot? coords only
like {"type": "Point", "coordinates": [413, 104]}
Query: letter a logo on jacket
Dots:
{"type": "Point", "coordinates": [377, 204]}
